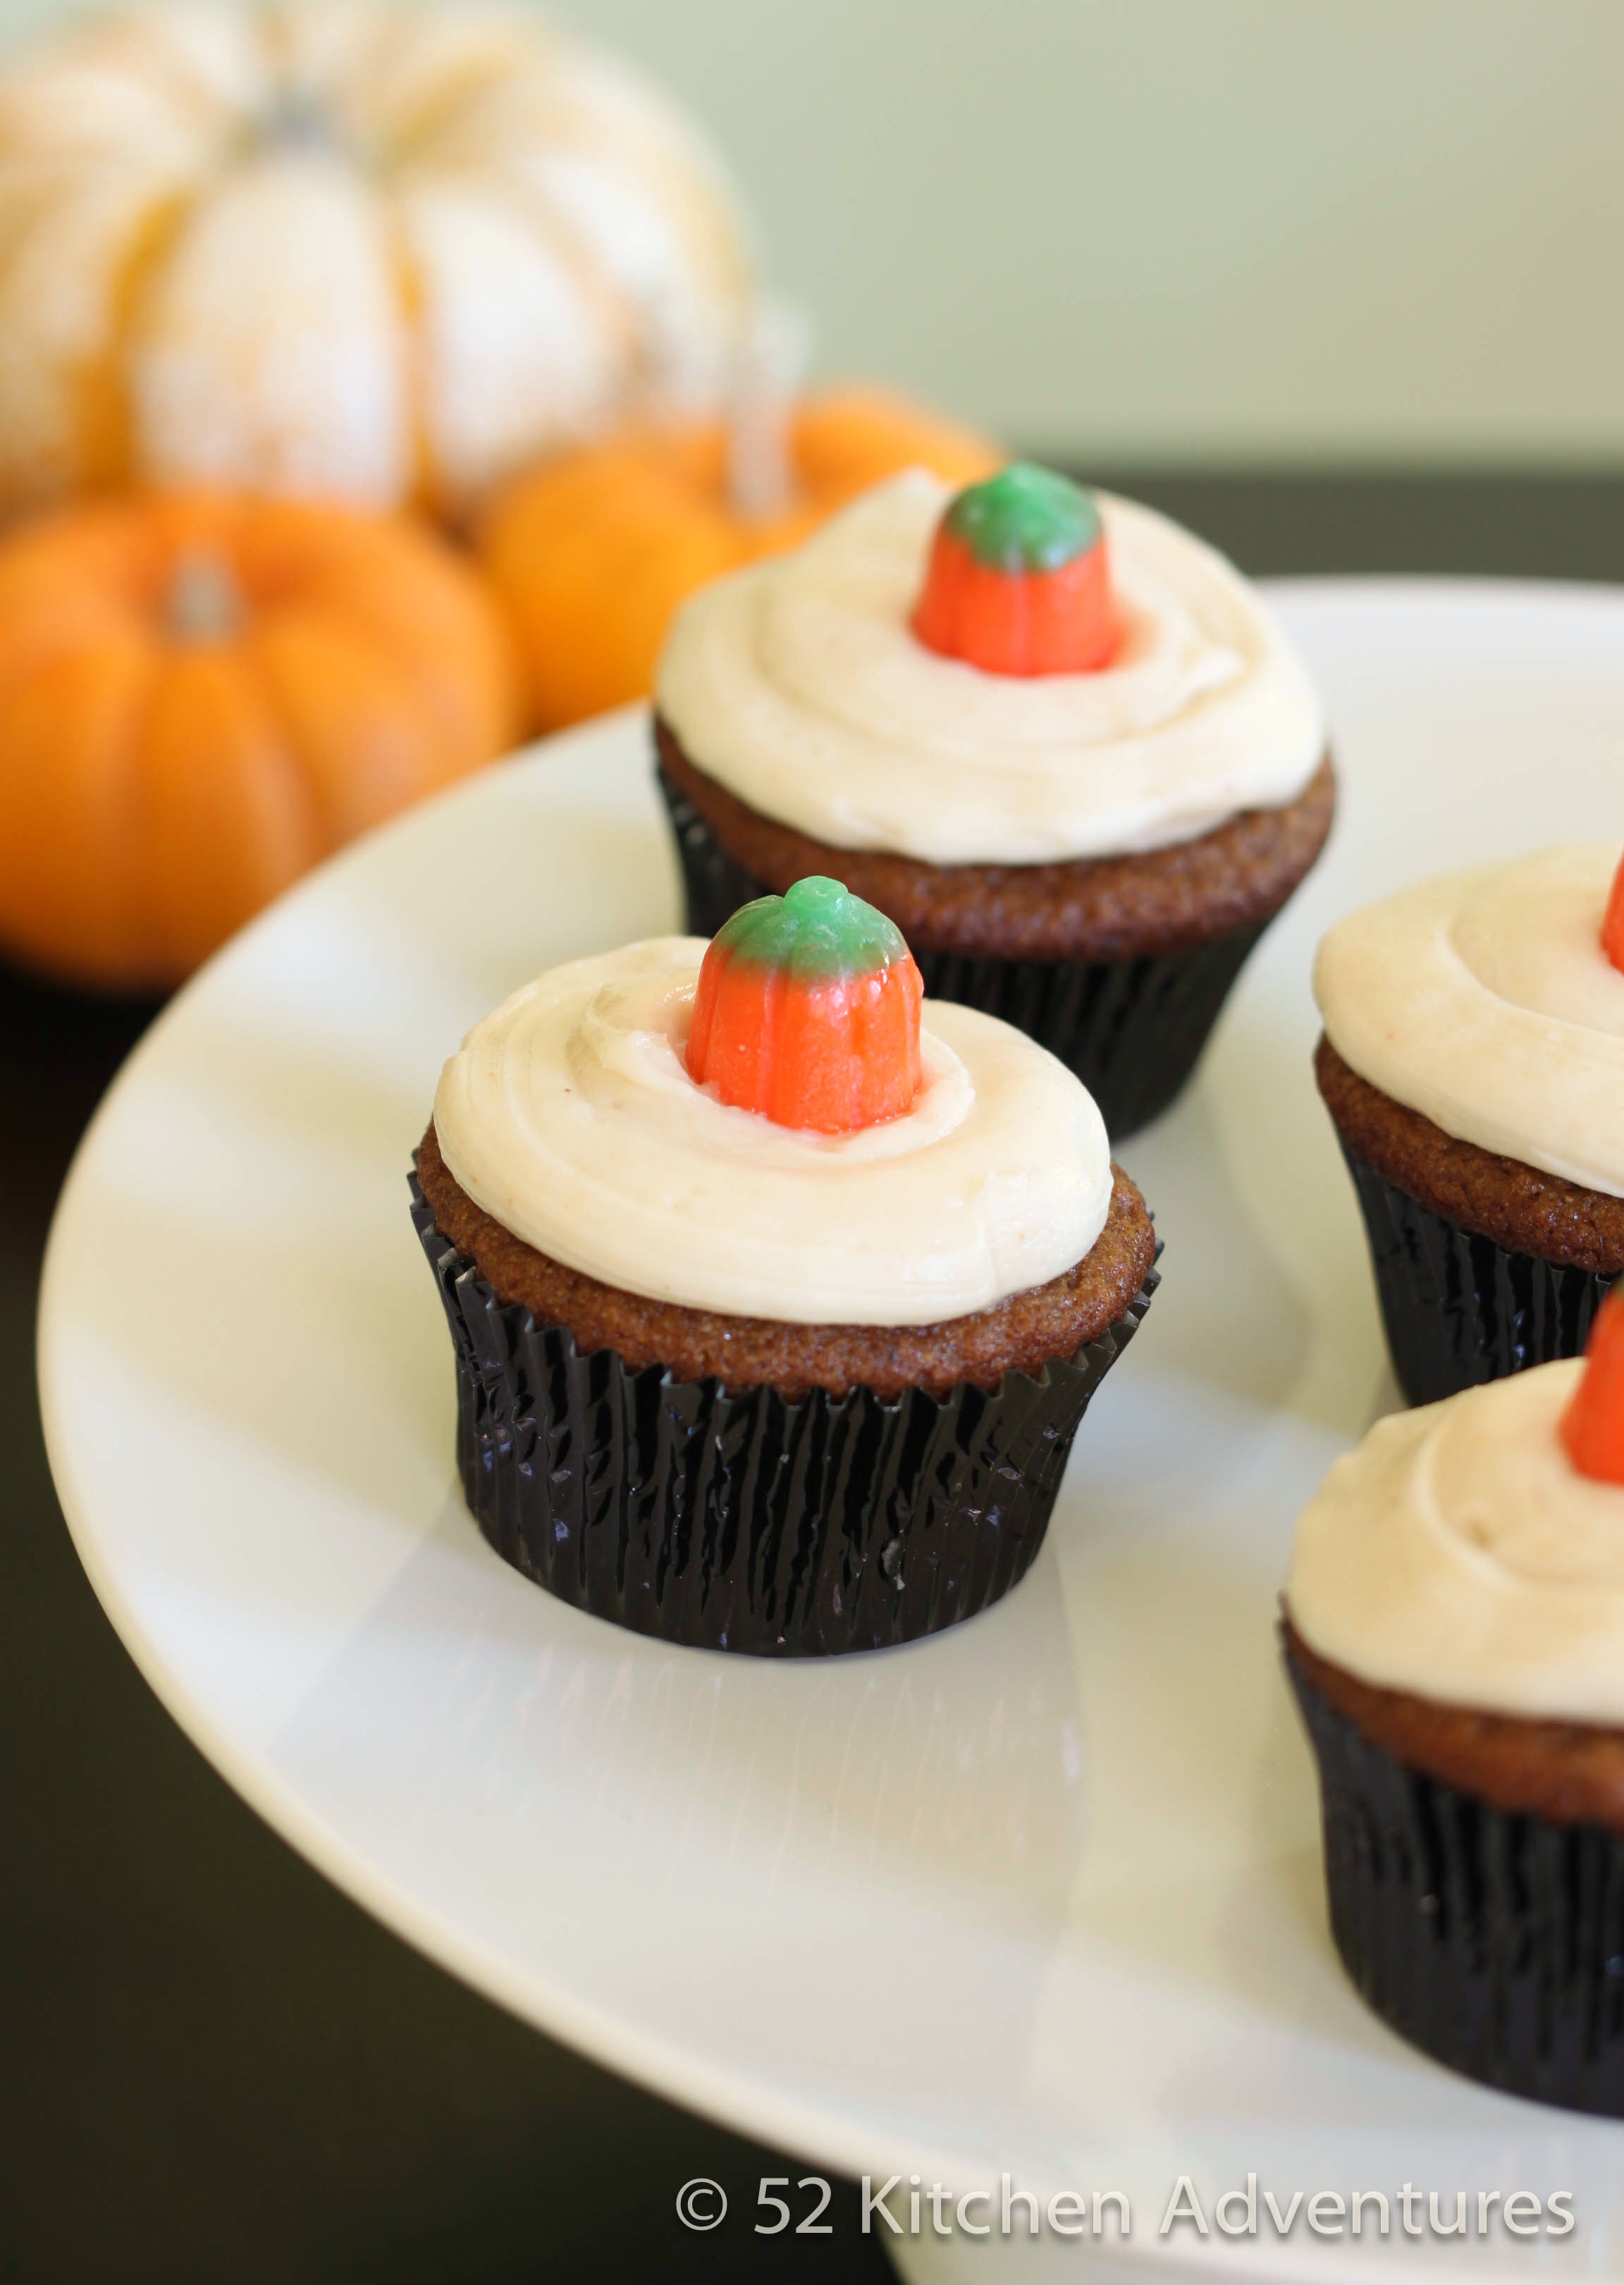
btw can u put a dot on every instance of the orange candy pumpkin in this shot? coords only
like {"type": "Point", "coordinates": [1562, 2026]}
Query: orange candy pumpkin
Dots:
{"type": "Point", "coordinates": [807, 1011]}
{"type": "Point", "coordinates": [1612, 921]}
{"type": "Point", "coordinates": [593, 551]}
{"type": "Point", "coordinates": [202, 695]}
{"type": "Point", "coordinates": [1018, 581]}
{"type": "Point", "coordinates": [1592, 1426]}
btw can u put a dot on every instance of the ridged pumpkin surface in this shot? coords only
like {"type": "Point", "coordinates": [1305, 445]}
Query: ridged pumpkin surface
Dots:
{"type": "Point", "coordinates": [593, 551]}
{"type": "Point", "coordinates": [350, 250]}
{"type": "Point", "coordinates": [200, 695]}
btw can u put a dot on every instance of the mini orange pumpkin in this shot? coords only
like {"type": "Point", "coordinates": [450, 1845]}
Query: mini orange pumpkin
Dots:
{"type": "Point", "coordinates": [202, 694]}
{"type": "Point", "coordinates": [593, 551]}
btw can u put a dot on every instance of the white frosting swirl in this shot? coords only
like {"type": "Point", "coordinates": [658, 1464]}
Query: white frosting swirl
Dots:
{"type": "Point", "coordinates": [1458, 1554]}
{"type": "Point", "coordinates": [1484, 1002]}
{"type": "Point", "coordinates": [570, 1116]}
{"type": "Point", "coordinates": [797, 685]}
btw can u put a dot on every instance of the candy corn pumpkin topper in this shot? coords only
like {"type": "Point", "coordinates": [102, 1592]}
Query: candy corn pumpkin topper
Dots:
{"type": "Point", "coordinates": [807, 1011]}
{"type": "Point", "coordinates": [1612, 922]}
{"type": "Point", "coordinates": [1593, 1425]}
{"type": "Point", "coordinates": [1018, 580]}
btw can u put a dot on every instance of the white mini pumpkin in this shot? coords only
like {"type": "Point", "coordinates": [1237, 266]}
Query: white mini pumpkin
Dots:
{"type": "Point", "coordinates": [341, 248]}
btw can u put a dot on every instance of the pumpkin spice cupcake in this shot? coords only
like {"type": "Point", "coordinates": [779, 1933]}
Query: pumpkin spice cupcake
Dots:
{"type": "Point", "coordinates": [1473, 1062]}
{"type": "Point", "coordinates": [1455, 1633]}
{"type": "Point", "coordinates": [1057, 739]}
{"type": "Point", "coordinates": [776, 1299]}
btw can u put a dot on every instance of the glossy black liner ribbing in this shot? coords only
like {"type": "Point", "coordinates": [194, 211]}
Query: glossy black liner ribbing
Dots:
{"type": "Point", "coordinates": [748, 1522]}
{"type": "Point", "coordinates": [1132, 1030]}
{"type": "Point", "coordinates": [1459, 1310]}
{"type": "Point", "coordinates": [1494, 1941]}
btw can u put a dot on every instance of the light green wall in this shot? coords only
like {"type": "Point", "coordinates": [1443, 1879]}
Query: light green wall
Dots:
{"type": "Point", "coordinates": [1187, 229]}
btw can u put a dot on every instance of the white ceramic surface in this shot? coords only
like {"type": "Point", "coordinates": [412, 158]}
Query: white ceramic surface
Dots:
{"type": "Point", "coordinates": [1042, 1894]}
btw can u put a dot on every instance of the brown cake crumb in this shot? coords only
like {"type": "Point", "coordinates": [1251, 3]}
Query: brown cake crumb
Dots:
{"type": "Point", "coordinates": [1094, 909]}
{"type": "Point", "coordinates": [1572, 1772]}
{"type": "Point", "coordinates": [1021, 1334]}
{"type": "Point", "coordinates": [1516, 1205]}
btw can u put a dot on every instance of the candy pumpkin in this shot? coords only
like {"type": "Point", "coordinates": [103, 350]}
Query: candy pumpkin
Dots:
{"type": "Point", "coordinates": [202, 694]}
{"type": "Point", "coordinates": [808, 1011]}
{"type": "Point", "coordinates": [1612, 922]}
{"type": "Point", "coordinates": [1018, 580]}
{"type": "Point", "coordinates": [345, 249]}
{"type": "Point", "coordinates": [1592, 1426]}
{"type": "Point", "coordinates": [593, 550]}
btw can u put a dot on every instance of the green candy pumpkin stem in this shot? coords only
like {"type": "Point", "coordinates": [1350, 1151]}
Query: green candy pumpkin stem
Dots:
{"type": "Point", "coordinates": [1025, 518]}
{"type": "Point", "coordinates": [815, 932]}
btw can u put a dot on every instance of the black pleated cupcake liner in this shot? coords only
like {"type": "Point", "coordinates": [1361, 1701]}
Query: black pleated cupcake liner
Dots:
{"type": "Point", "coordinates": [1493, 1942]}
{"type": "Point", "coordinates": [1459, 1310]}
{"type": "Point", "coordinates": [1132, 1030]}
{"type": "Point", "coordinates": [748, 1521]}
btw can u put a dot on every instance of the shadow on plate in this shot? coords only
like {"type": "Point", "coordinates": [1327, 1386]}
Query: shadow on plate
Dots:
{"type": "Point", "coordinates": [960, 1755]}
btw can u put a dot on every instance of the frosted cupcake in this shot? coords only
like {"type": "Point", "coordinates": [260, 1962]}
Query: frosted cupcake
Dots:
{"type": "Point", "coordinates": [1057, 739]}
{"type": "Point", "coordinates": [1473, 1062]}
{"type": "Point", "coordinates": [776, 1297]}
{"type": "Point", "coordinates": [1455, 1630]}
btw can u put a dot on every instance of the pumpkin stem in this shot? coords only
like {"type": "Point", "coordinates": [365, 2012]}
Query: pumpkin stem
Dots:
{"type": "Point", "coordinates": [772, 358]}
{"type": "Point", "coordinates": [204, 602]}
{"type": "Point", "coordinates": [293, 120]}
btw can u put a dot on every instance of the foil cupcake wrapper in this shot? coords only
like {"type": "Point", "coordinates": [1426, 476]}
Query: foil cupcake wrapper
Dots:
{"type": "Point", "coordinates": [1457, 1308]}
{"type": "Point", "coordinates": [1132, 1030]}
{"type": "Point", "coordinates": [1493, 1941]}
{"type": "Point", "coordinates": [749, 1522]}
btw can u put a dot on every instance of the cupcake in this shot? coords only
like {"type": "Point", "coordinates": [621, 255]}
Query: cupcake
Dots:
{"type": "Point", "coordinates": [1473, 1062]}
{"type": "Point", "coordinates": [1455, 1633]}
{"type": "Point", "coordinates": [777, 1296]}
{"type": "Point", "coordinates": [1057, 739]}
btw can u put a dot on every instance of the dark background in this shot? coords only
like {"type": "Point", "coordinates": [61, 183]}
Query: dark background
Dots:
{"type": "Point", "coordinates": [214, 2065]}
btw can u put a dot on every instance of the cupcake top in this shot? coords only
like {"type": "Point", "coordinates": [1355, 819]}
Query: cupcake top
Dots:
{"type": "Point", "coordinates": [822, 687]}
{"type": "Point", "coordinates": [791, 1138]}
{"type": "Point", "coordinates": [1472, 1552]}
{"type": "Point", "coordinates": [1488, 1002]}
